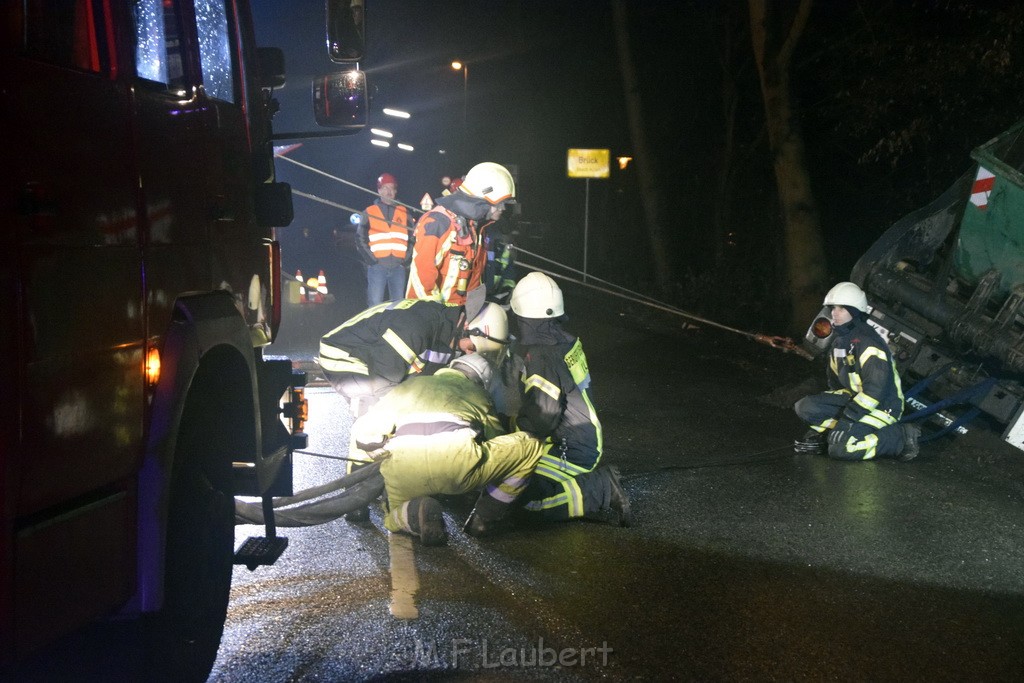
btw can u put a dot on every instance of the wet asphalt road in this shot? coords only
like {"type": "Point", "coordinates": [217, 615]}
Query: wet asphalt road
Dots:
{"type": "Point", "coordinates": [746, 562]}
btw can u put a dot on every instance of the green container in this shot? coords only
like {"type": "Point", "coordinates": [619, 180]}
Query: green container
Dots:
{"type": "Point", "coordinates": [992, 227]}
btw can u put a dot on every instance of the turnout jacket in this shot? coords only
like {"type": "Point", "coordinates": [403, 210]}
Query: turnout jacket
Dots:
{"type": "Point", "coordinates": [446, 404]}
{"type": "Point", "coordinates": [448, 256]}
{"type": "Point", "coordinates": [861, 367]}
{"type": "Point", "coordinates": [393, 340]}
{"type": "Point", "coordinates": [556, 395]}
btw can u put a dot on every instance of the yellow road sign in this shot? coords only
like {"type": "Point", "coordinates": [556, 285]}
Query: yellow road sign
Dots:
{"type": "Point", "coordinates": [588, 163]}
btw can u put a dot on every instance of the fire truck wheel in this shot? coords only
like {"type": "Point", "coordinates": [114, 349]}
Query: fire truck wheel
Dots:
{"type": "Point", "coordinates": [200, 537]}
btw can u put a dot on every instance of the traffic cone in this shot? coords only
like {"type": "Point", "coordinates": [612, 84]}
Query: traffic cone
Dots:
{"type": "Point", "coordinates": [302, 286]}
{"type": "Point", "coordinates": [321, 283]}
{"type": "Point", "coordinates": [314, 296]}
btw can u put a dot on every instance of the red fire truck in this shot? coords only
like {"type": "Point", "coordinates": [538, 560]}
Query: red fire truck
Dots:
{"type": "Point", "coordinates": [139, 290]}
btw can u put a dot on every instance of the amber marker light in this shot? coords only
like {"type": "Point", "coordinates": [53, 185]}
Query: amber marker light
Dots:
{"type": "Point", "coordinates": [152, 366]}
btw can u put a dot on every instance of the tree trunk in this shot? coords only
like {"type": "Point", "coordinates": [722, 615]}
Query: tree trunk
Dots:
{"type": "Point", "coordinates": [805, 254]}
{"type": "Point", "coordinates": [644, 165]}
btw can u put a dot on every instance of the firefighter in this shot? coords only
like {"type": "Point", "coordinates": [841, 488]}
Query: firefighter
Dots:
{"type": "Point", "coordinates": [368, 355]}
{"type": "Point", "coordinates": [439, 435]}
{"type": "Point", "coordinates": [857, 418]}
{"type": "Point", "coordinates": [383, 243]}
{"type": "Point", "coordinates": [449, 256]}
{"type": "Point", "coordinates": [499, 272]}
{"type": "Point", "coordinates": [556, 407]}
{"type": "Point", "coordinates": [372, 352]}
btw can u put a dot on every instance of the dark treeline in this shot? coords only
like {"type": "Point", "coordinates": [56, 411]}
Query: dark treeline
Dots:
{"type": "Point", "coordinates": [889, 97]}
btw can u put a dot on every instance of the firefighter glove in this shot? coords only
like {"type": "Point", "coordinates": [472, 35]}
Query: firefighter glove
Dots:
{"type": "Point", "coordinates": [836, 437]}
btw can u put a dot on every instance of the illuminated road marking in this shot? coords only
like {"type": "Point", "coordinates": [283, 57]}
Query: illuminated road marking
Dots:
{"type": "Point", "coordinates": [405, 580]}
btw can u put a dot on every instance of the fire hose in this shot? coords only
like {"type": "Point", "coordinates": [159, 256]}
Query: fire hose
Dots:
{"type": "Point", "coordinates": [314, 505]}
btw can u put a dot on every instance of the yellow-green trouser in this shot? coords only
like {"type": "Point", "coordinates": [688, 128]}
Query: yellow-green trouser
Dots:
{"type": "Point", "coordinates": [563, 490]}
{"type": "Point", "coordinates": [443, 464]}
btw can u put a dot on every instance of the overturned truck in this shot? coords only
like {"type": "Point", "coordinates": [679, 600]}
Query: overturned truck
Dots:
{"type": "Point", "coordinates": [946, 284]}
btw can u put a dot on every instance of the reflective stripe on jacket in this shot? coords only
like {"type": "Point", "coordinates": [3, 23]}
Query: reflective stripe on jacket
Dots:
{"type": "Point", "coordinates": [557, 406]}
{"type": "Point", "coordinates": [387, 237]}
{"type": "Point", "coordinates": [862, 366]}
{"type": "Point", "coordinates": [393, 340]}
{"type": "Point", "coordinates": [447, 258]}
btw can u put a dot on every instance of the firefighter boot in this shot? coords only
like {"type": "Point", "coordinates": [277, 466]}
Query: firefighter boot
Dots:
{"type": "Point", "coordinates": [619, 502]}
{"type": "Point", "coordinates": [911, 448]}
{"type": "Point", "coordinates": [426, 520]}
{"type": "Point", "coordinates": [812, 442]}
{"type": "Point", "coordinates": [487, 517]}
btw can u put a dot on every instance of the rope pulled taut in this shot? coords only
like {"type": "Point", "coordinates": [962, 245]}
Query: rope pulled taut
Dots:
{"type": "Point", "coordinates": [784, 344]}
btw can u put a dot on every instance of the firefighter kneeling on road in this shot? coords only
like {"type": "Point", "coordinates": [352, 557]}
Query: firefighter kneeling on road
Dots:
{"type": "Point", "coordinates": [556, 407]}
{"type": "Point", "coordinates": [858, 416]}
{"type": "Point", "coordinates": [440, 435]}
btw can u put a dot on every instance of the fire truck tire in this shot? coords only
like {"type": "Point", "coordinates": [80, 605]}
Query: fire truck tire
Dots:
{"type": "Point", "coordinates": [186, 633]}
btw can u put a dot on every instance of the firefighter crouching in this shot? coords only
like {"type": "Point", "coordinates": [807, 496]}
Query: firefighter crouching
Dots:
{"type": "Point", "coordinates": [440, 435]}
{"type": "Point", "coordinates": [858, 416]}
{"type": "Point", "coordinates": [556, 407]}
{"type": "Point", "coordinates": [374, 351]}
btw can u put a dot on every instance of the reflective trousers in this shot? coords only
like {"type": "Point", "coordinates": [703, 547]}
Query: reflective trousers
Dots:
{"type": "Point", "coordinates": [823, 413]}
{"type": "Point", "coordinates": [450, 465]}
{"type": "Point", "coordinates": [561, 490]}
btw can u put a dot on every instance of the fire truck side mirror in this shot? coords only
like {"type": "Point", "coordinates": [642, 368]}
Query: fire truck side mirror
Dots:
{"type": "Point", "coordinates": [341, 101]}
{"type": "Point", "coordinates": [346, 28]}
{"type": "Point", "coordinates": [271, 63]}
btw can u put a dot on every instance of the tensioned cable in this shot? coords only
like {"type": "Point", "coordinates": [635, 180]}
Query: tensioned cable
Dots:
{"type": "Point", "coordinates": [592, 277]}
{"type": "Point", "coordinates": [328, 202]}
{"type": "Point", "coordinates": [340, 180]}
{"type": "Point", "coordinates": [781, 343]}
{"type": "Point", "coordinates": [766, 455]}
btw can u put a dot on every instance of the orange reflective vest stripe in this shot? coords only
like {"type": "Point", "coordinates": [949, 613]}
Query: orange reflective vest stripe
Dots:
{"type": "Point", "coordinates": [388, 239]}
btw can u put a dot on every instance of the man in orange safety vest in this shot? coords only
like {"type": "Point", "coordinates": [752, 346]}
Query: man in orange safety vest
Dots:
{"type": "Point", "coordinates": [383, 243]}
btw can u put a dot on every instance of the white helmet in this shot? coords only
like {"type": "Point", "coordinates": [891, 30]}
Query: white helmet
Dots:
{"type": "Point", "coordinates": [488, 330]}
{"type": "Point", "coordinates": [476, 367]}
{"type": "Point", "coordinates": [847, 295]}
{"type": "Point", "coordinates": [489, 181]}
{"type": "Point", "coordinates": [537, 296]}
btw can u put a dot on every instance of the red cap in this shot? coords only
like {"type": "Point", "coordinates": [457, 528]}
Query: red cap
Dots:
{"type": "Point", "coordinates": [385, 179]}
{"type": "Point", "coordinates": [454, 185]}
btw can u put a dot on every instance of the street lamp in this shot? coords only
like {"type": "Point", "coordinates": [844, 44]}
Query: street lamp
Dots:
{"type": "Point", "coordinates": [459, 65]}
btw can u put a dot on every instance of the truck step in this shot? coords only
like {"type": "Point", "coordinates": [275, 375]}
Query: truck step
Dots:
{"type": "Point", "coordinates": [259, 550]}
